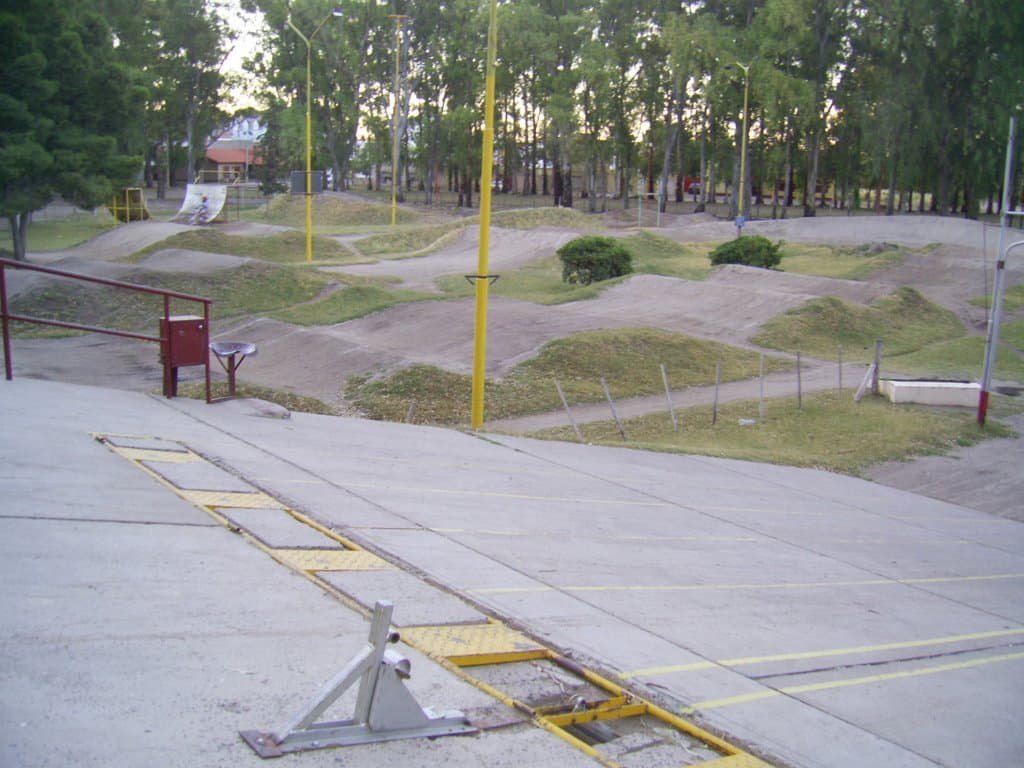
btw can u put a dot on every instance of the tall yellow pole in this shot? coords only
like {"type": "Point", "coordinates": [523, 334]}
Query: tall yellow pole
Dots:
{"type": "Point", "coordinates": [399, 21]}
{"type": "Point", "coordinates": [741, 207]}
{"type": "Point", "coordinates": [482, 277]}
{"type": "Point", "coordinates": [309, 152]}
{"type": "Point", "coordinates": [309, 125]}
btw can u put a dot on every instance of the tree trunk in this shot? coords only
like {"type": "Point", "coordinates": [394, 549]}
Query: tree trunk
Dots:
{"type": "Point", "coordinates": [666, 167]}
{"type": "Point", "coordinates": [811, 195]}
{"type": "Point", "coordinates": [592, 185]}
{"type": "Point", "coordinates": [787, 197]}
{"type": "Point", "coordinates": [18, 224]}
{"type": "Point", "coordinates": [567, 185]}
{"type": "Point", "coordinates": [702, 204]}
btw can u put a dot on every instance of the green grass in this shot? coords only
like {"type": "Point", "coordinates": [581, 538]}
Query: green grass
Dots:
{"type": "Point", "coordinates": [840, 263]}
{"type": "Point", "coordinates": [289, 400]}
{"type": "Point", "coordinates": [404, 242]}
{"type": "Point", "coordinates": [539, 282]}
{"type": "Point", "coordinates": [1013, 298]}
{"type": "Point", "coordinates": [1013, 334]}
{"type": "Point", "coordinates": [282, 248]}
{"type": "Point", "coordinates": [829, 432]}
{"type": "Point", "coordinates": [251, 288]}
{"type": "Point", "coordinates": [354, 301]}
{"type": "Point", "coordinates": [657, 255]}
{"type": "Point", "coordinates": [905, 321]}
{"type": "Point", "coordinates": [58, 234]}
{"type": "Point", "coordinates": [958, 359]}
{"type": "Point", "coordinates": [629, 359]}
{"type": "Point", "coordinates": [532, 218]}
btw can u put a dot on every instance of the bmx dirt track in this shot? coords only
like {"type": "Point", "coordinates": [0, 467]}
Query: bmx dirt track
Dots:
{"type": "Point", "coordinates": [729, 306]}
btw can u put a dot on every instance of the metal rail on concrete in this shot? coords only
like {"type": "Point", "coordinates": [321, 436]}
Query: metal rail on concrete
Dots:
{"type": "Point", "coordinates": [6, 316]}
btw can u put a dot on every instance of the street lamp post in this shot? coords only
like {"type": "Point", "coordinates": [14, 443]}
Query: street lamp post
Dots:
{"type": "Point", "coordinates": [395, 146]}
{"type": "Point", "coordinates": [483, 279]}
{"type": "Point", "coordinates": [741, 218]}
{"type": "Point", "coordinates": [309, 123]}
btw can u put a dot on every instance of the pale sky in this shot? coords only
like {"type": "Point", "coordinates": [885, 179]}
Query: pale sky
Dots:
{"type": "Point", "coordinates": [247, 27]}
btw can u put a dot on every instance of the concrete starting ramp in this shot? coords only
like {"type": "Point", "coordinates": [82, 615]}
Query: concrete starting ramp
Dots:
{"type": "Point", "coordinates": [216, 195]}
{"type": "Point", "coordinates": [175, 572]}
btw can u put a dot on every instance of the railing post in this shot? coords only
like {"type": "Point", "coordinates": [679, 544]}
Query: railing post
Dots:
{"type": "Point", "coordinates": [165, 348]}
{"type": "Point", "coordinates": [206, 324]}
{"type": "Point", "coordinates": [8, 370]}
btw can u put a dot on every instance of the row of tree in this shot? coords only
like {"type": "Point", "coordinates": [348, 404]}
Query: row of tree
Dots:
{"type": "Point", "coordinates": [907, 98]}
{"type": "Point", "coordinates": [99, 94]}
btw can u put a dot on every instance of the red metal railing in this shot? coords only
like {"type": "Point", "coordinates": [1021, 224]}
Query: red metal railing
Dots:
{"type": "Point", "coordinates": [165, 341]}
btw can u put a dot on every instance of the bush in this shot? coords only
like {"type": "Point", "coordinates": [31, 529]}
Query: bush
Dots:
{"type": "Point", "coordinates": [593, 257]}
{"type": "Point", "coordinates": [752, 250]}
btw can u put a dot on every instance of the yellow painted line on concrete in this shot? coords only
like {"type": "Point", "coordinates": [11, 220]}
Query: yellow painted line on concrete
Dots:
{"type": "Point", "coordinates": [504, 469]}
{"type": "Point", "coordinates": [315, 560]}
{"type": "Point", "coordinates": [744, 586]}
{"type": "Point", "coordinates": [775, 511]}
{"type": "Point", "coordinates": [232, 499]}
{"type": "Point", "coordinates": [800, 656]}
{"type": "Point", "coordinates": [771, 693]}
{"type": "Point", "coordinates": [516, 496]}
{"type": "Point", "coordinates": [714, 539]}
{"type": "Point", "coordinates": [591, 537]}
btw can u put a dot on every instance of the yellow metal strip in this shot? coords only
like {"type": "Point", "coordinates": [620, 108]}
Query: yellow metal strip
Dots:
{"type": "Point", "coordinates": [328, 532]}
{"type": "Point", "coordinates": [589, 716]}
{"type": "Point", "coordinates": [742, 760]}
{"type": "Point", "coordinates": [157, 455]}
{"type": "Point", "coordinates": [459, 642]}
{"type": "Point", "coordinates": [485, 659]}
{"type": "Point", "coordinates": [234, 499]}
{"type": "Point", "coordinates": [610, 703]}
{"type": "Point", "coordinates": [315, 560]}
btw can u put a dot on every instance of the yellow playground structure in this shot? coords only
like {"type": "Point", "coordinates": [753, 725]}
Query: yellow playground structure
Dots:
{"type": "Point", "coordinates": [129, 205]}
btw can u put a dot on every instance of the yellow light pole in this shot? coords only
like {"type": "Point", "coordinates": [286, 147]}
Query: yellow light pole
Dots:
{"type": "Point", "coordinates": [399, 22]}
{"type": "Point", "coordinates": [483, 279]}
{"type": "Point", "coordinates": [309, 123]}
{"type": "Point", "coordinates": [741, 218]}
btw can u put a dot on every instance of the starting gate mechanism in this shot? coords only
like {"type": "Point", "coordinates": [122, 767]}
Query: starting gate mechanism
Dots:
{"type": "Point", "coordinates": [384, 711]}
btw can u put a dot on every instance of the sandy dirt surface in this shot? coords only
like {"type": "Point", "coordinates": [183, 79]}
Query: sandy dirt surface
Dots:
{"type": "Point", "coordinates": [729, 306]}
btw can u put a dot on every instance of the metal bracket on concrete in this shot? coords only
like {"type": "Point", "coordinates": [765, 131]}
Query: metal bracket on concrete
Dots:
{"type": "Point", "coordinates": [384, 709]}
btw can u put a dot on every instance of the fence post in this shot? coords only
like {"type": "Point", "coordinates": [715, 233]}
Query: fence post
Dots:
{"type": "Point", "coordinates": [568, 413]}
{"type": "Point", "coordinates": [799, 385]}
{"type": "Point", "coordinates": [718, 381]}
{"type": "Point", "coordinates": [762, 387]}
{"type": "Point", "coordinates": [611, 404]}
{"type": "Point", "coordinates": [878, 366]}
{"type": "Point", "coordinates": [668, 397]}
